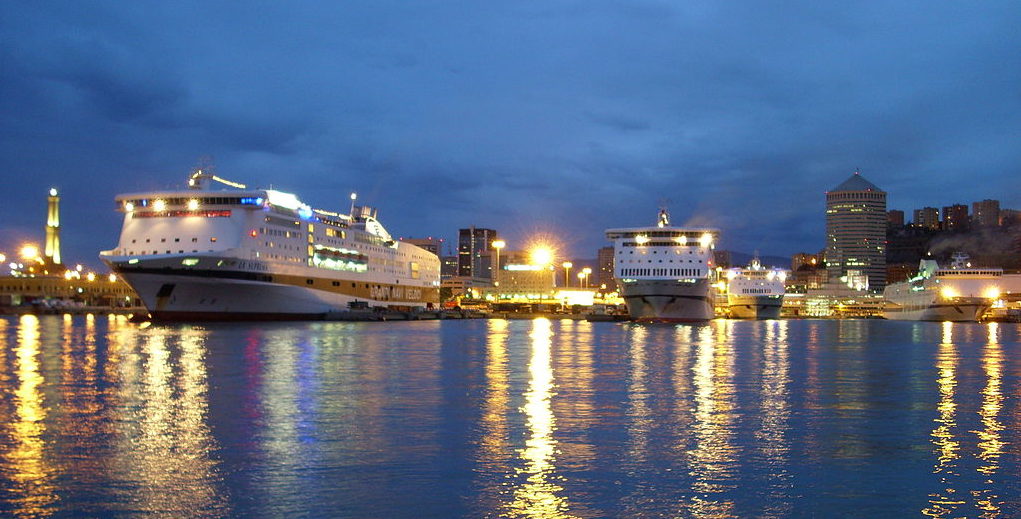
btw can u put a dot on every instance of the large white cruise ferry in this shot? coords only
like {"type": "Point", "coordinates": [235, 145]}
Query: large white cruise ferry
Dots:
{"type": "Point", "coordinates": [665, 273]}
{"type": "Point", "coordinates": [755, 292]}
{"type": "Point", "coordinates": [237, 253]}
{"type": "Point", "coordinates": [958, 293]}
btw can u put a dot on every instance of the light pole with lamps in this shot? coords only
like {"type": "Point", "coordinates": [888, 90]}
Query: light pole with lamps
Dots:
{"type": "Point", "coordinates": [567, 273]}
{"type": "Point", "coordinates": [587, 271]}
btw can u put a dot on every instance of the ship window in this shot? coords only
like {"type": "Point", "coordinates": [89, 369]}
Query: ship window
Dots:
{"type": "Point", "coordinates": [133, 241]}
{"type": "Point", "coordinates": [176, 240]}
{"type": "Point", "coordinates": [193, 240]}
{"type": "Point", "coordinates": [163, 240]}
{"type": "Point", "coordinates": [147, 240]}
{"type": "Point", "coordinates": [213, 239]}
{"type": "Point", "coordinates": [309, 281]}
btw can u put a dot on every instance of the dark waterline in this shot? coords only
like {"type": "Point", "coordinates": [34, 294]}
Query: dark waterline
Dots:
{"type": "Point", "coordinates": [493, 418]}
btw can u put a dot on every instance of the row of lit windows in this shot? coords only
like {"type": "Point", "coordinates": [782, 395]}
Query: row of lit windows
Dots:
{"type": "Point", "coordinates": [661, 272]}
{"type": "Point", "coordinates": [176, 240]}
{"type": "Point", "coordinates": [847, 195]}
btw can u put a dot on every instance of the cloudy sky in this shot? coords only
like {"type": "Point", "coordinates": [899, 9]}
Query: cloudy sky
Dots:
{"type": "Point", "coordinates": [556, 117]}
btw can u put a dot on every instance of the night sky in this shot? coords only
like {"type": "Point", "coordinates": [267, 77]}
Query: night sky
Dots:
{"type": "Point", "coordinates": [554, 117]}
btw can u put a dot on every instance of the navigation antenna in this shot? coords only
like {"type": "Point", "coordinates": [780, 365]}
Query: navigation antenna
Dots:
{"type": "Point", "coordinates": [664, 216]}
{"type": "Point", "coordinates": [206, 171]}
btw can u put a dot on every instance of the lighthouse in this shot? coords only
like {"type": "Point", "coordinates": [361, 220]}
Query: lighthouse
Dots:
{"type": "Point", "coordinates": [52, 251]}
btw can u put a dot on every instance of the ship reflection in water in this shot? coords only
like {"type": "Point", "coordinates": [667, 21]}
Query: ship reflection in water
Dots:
{"type": "Point", "coordinates": [102, 417]}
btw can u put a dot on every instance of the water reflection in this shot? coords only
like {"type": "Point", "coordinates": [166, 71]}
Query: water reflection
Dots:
{"type": "Point", "coordinates": [946, 501]}
{"type": "Point", "coordinates": [26, 465]}
{"type": "Point", "coordinates": [164, 445]}
{"type": "Point", "coordinates": [714, 456]}
{"type": "Point", "coordinates": [990, 442]}
{"type": "Point", "coordinates": [773, 436]}
{"type": "Point", "coordinates": [494, 435]}
{"type": "Point", "coordinates": [539, 495]}
{"type": "Point", "coordinates": [640, 419]}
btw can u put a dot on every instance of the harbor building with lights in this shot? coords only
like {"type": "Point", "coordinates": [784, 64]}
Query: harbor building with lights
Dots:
{"type": "Point", "coordinates": [856, 223]}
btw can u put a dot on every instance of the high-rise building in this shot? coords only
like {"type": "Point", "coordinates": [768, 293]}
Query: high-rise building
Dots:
{"type": "Point", "coordinates": [473, 252]}
{"type": "Point", "coordinates": [52, 250]}
{"type": "Point", "coordinates": [604, 269]}
{"type": "Point", "coordinates": [856, 232]}
{"type": "Point", "coordinates": [448, 266]}
{"type": "Point", "coordinates": [895, 218]}
{"type": "Point", "coordinates": [955, 218]}
{"type": "Point", "coordinates": [985, 213]}
{"type": "Point", "coordinates": [926, 218]}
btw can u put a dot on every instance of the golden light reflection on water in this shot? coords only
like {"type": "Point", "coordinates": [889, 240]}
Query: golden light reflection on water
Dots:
{"type": "Point", "coordinates": [946, 501]}
{"type": "Point", "coordinates": [990, 444]}
{"type": "Point", "coordinates": [713, 458]}
{"type": "Point", "coordinates": [539, 496]}
{"type": "Point", "coordinates": [31, 474]}
{"type": "Point", "coordinates": [494, 440]}
{"type": "Point", "coordinates": [772, 437]}
{"type": "Point", "coordinates": [165, 444]}
{"type": "Point", "coordinates": [641, 420]}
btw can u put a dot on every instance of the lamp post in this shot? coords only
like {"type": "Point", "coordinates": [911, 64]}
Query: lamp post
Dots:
{"type": "Point", "coordinates": [495, 269]}
{"type": "Point", "coordinates": [587, 271]}
{"type": "Point", "coordinates": [567, 273]}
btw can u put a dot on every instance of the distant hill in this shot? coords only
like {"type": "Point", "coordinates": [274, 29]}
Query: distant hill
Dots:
{"type": "Point", "coordinates": [741, 259]}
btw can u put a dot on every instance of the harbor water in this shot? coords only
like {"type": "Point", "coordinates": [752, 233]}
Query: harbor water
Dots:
{"type": "Point", "coordinates": [100, 417]}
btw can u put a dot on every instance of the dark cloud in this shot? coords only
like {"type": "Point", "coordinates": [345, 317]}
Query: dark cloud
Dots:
{"type": "Point", "coordinates": [563, 117]}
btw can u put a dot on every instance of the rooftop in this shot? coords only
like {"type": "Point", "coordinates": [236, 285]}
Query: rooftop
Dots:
{"type": "Point", "coordinates": [856, 183]}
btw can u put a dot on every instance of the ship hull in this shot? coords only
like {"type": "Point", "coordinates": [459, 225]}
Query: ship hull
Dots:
{"type": "Point", "coordinates": [669, 300]}
{"type": "Point", "coordinates": [171, 294]}
{"type": "Point", "coordinates": [962, 310]}
{"type": "Point", "coordinates": [755, 307]}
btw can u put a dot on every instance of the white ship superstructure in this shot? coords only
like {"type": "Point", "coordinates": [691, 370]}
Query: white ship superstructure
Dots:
{"type": "Point", "coordinates": [958, 293]}
{"type": "Point", "coordinates": [755, 292]}
{"type": "Point", "coordinates": [239, 253]}
{"type": "Point", "coordinates": [665, 273]}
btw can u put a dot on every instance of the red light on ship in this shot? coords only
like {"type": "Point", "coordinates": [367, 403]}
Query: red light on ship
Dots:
{"type": "Point", "coordinates": [253, 233]}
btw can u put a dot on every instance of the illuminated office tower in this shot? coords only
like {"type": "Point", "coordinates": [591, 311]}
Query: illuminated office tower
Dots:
{"type": "Point", "coordinates": [53, 228]}
{"type": "Point", "coordinates": [856, 232]}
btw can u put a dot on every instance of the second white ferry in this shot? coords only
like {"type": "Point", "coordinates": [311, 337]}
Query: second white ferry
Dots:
{"type": "Point", "coordinates": [239, 253]}
{"type": "Point", "coordinates": [665, 273]}
{"type": "Point", "coordinates": [958, 293]}
{"type": "Point", "coordinates": [755, 292]}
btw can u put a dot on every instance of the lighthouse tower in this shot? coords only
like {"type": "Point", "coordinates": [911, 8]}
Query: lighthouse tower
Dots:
{"type": "Point", "coordinates": [53, 228]}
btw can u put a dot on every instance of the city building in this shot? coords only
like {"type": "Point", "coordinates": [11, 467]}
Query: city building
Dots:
{"type": "Point", "coordinates": [1010, 217]}
{"type": "Point", "coordinates": [448, 266]}
{"type": "Point", "coordinates": [856, 233]}
{"type": "Point", "coordinates": [804, 258]}
{"type": "Point", "coordinates": [926, 218]}
{"type": "Point", "coordinates": [955, 218]}
{"type": "Point", "coordinates": [985, 213]}
{"type": "Point", "coordinates": [474, 246]}
{"type": "Point", "coordinates": [895, 218]}
{"type": "Point", "coordinates": [604, 269]}
{"type": "Point", "coordinates": [433, 245]}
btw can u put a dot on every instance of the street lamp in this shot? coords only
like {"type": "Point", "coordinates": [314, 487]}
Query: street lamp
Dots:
{"type": "Point", "coordinates": [541, 256]}
{"type": "Point", "coordinates": [567, 273]}
{"type": "Point", "coordinates": [495, 270]}
{"type": "Point", "coordinates": [587, 271]}
{"type": "Point", "coordinates": [30, 252]}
